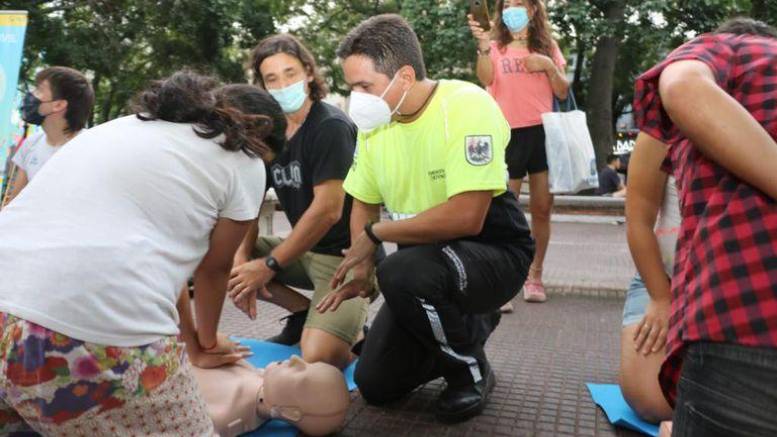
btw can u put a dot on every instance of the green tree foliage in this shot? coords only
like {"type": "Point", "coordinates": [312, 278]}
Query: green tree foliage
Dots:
{"type": "Point", "coordinates": [618, 39]}
{"type": "Point", "coordinates": [124, 44]}
{"type": "Point", "coordinates": [441, 27]}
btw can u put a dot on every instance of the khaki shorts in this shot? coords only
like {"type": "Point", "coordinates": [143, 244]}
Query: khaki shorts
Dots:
{"type": "Point", "coordinates": [314, 271]}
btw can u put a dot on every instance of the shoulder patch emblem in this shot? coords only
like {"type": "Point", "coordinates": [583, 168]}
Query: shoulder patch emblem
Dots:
{"type": "Point", "coordinates": [479, 149]}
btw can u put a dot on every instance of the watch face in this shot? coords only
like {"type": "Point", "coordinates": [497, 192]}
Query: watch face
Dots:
{"type": "Point", "coordinates": [272, 263]}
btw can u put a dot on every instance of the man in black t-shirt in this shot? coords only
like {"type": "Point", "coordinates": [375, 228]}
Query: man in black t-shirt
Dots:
{"type": "Point", "coordinates": [308, 178]}
{"type": "Point", "coordinates": [609, 182]}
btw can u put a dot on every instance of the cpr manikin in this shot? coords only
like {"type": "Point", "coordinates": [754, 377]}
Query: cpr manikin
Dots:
{"type": "Point", "coordinates": [312, 397]}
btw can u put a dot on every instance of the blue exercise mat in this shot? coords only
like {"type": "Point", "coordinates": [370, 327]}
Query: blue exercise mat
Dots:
{"type": "Point", "coordinates": [264, 354]}
{"type": "Point", "coordinates": [610, 398]}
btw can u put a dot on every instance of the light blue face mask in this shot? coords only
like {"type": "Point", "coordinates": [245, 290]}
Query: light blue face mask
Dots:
{"type": "Point", "coordinates": [516, 18]}
{"type": "Point", "coordinates": [290, 98]}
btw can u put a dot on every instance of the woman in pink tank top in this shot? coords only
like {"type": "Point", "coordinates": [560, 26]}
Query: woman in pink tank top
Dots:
{"type": "Point", "coordinates": [522, 67]}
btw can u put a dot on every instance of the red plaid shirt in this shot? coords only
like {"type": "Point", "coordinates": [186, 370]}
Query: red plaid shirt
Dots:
{"type": "Point", "coordinates": [724, 287]}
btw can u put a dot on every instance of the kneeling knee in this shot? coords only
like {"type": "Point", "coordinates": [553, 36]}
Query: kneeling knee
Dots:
{"type": "Point", "coordinates": [374, 389]}
{"type": "Point", "coordinates": [652, 407]}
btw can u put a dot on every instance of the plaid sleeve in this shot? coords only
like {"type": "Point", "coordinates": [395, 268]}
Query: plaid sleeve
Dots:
{"type": "Point", "coordinates": [649, 114]}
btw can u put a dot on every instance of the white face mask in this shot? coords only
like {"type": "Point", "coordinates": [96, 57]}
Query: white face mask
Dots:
{"type": "Point", "coordinates": [369, 111]}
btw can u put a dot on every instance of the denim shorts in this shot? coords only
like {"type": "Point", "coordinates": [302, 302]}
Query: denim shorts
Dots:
{"type": "Point", "coordinates": [637, 299]}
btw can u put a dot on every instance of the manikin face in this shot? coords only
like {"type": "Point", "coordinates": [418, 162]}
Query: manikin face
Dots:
{"type": "Point", "coordinates": [313, 396]}
{"type": "Point", "coordinates": [289, 383]}
{"type": "Point", "coordinates": [286, 374]}
{"type": "Point", "coordinates": [282, 70]}
{"type": "Point", "coordinates": [360, 75]}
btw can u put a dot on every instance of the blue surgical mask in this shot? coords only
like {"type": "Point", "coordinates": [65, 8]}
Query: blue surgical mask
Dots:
{"type": "Point", "coordinates": [516, 18]}
{"type": "Point", "coordinates": [290, 98]}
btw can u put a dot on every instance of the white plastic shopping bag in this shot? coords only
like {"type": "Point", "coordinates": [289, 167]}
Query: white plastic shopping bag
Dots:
{"type": "Point", "coordinates": [570, 151]}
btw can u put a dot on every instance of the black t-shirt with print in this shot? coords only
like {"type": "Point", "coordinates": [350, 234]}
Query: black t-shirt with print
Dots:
{"type": "Point", "coordinates": [321, 150]}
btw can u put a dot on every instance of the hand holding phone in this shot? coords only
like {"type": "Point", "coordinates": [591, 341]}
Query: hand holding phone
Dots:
{"type": "Point", "coordinates": [479, 11]}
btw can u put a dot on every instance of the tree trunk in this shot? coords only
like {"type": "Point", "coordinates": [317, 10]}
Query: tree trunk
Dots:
{"type": "Point", "coordinates": [107, 103]}
{"type": "Point", "coordinates": [96, 88]}
{"type": "Point", "coordinates": [759, 10]}
{"type": "Point", "coordinates": [577, 86]}
{"type": "Point", "coordinates": [600, 89]}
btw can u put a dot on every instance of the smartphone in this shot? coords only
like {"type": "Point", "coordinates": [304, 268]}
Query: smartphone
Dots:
{"type": "Point", "coordinates": [479, 11]}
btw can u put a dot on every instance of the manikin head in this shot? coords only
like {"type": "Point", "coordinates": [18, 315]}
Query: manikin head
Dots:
{"type": "Point", "coordinates": [313, 397]}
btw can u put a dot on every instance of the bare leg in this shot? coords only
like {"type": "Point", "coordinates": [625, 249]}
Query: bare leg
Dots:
{"type": "Point", "coordinates": [515, 187]}
{"type": "Point", "coordinates": [540, 205]}
{"type": "Point", "coordinates": [321, 346]}
{"type": "Point", "coordinates": [287, 298]}
{"type": "Point", "coordinates": [639, 380]}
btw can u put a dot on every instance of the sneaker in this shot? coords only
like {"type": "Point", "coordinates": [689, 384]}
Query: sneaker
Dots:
{"type": "Point", "coordinates": [292, 331]}
{"type": "Point", "coordinates": [463, 403]}
{"type": "Point", "coordinates": [533, 291]}
{"type": "Point", "coordinates": [507, 308]}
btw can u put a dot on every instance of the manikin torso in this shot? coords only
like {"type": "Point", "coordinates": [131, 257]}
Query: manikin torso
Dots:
{"type": "Point", "coordinates": [240, 397]}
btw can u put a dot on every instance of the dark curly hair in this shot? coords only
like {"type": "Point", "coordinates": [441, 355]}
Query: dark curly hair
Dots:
{"type": "Point", "coordinates": [292, 46]}
{"type": "Point", "coordinates": [747, 26]}
{"type": "Point", "coordinates": [248, 117]}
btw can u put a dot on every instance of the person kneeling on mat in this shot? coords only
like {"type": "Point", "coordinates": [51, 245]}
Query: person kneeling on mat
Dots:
{"type": "Point", "coordinates": [308, 178]}
{"type": "Point", "coordinates": [433, 153]}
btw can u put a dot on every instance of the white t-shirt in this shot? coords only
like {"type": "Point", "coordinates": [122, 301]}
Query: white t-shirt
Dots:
{"type": "Point", "coordinates": [34, 153]}
{"type": "Point", "coordinates": [99, 244]}
{"type": "Point", "coordinates": [668, 225]}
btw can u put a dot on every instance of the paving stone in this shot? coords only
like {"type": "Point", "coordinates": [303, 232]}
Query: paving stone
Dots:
{"type": "Point", "coordinates": [543, 354]}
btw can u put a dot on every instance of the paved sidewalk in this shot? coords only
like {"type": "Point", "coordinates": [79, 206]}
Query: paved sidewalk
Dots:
{"type": "Point", "coordinates": [543, 354]}
{"type": "Point", "coordinates": [585, 256]}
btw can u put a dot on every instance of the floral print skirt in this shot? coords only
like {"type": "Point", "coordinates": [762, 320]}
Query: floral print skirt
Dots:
{"type": "Point", "coordinates": [55, 385]}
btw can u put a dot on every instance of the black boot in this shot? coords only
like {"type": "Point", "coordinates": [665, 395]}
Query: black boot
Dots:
{"type": "Point", "coordinates": [458, 404]}
{"type": "Point", "coordinates": [292, 331]}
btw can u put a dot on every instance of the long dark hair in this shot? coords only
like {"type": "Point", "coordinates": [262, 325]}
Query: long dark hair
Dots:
{"type": "Point", "coordinates": [248, 117]}
{"type": "Point", "coordinates": [540, 38]}
{"type": "Point", "coordinates": [292, 46]}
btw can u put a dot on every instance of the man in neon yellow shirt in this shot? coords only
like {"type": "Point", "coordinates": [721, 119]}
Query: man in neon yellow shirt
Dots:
{"type": "Point", "coordinates": [432, 152]}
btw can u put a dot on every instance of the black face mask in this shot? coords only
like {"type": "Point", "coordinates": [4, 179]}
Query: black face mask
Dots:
{"type": "Point", "coordinates": [29, 109]}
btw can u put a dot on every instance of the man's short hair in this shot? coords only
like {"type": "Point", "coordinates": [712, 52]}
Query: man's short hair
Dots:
{"type": "Point", "coordinates": [612, 158]}
{"type": "Point", "coordinates": [389, 41]}
{"type": "Point", "coordinates": [71, 85]}
{"type": "Point", "coordinates": [747, 26]}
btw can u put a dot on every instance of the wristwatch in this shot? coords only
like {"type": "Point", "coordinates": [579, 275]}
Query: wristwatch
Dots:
{"type": "Point", "coordinates": [273, 264]}
{"type": "Point", "coordinates": [371, 235]}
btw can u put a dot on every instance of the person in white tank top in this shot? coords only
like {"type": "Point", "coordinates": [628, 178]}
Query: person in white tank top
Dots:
{"type": "Point", "coordinates": [653, 225]}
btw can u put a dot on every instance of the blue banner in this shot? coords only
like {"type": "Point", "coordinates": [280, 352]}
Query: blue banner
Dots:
{"type": "Point", "coordinates": [13, 25]}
